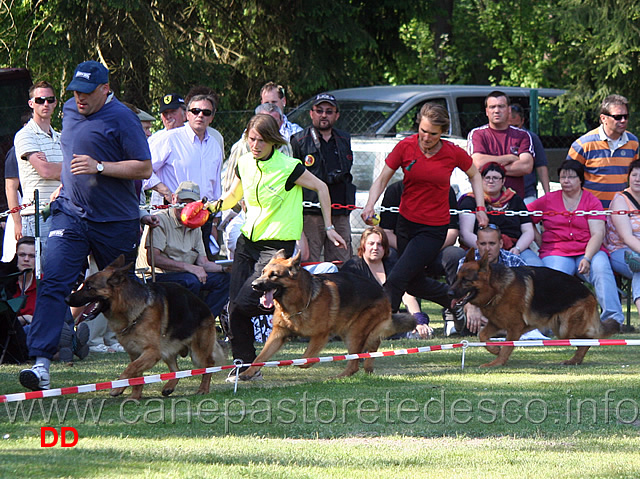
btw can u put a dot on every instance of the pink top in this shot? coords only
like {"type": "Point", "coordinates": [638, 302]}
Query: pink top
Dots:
{"type": "Point", "coordinates": [612, 240]}
{"type": "Point", "coordinates": [564, 235]}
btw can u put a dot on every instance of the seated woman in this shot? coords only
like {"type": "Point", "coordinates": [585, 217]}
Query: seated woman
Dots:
{"type": "Point", "coordinates": [623, 231]}
{"type": "Point", "coordinates": [373, 262]}
{"type": "Point", "coordinates": [571, 243]}
{"type": "Point", "coordinates": [71, 341]}
{"type": "Point", "coordinates": [517, 231]}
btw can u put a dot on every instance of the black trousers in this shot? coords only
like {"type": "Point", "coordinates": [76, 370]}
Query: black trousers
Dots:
{"type": "Point", "coordinates": [418, 247]}
{"type": "Point", "coordinates": [244, 302]}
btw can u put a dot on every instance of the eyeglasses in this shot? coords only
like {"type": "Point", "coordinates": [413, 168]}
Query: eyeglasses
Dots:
{"type": "Point", "coordinates": [492, 179]}
{"type": "Point", "coordinates": [327, 111]}
{"type": "Point", "coordinates": [567, 177]}
{"type": "Point", "coordinates": [41, 99]}
{"type": "Point", "coordinates": [26, 255]}
{"type": "Point", "coordinates": [617, 117]}
{"type": "Point", "coordinates": [197, 111]}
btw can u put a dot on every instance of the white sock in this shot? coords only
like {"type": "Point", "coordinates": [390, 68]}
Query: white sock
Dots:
{"type": "Point", "coordinates": [46, 362]}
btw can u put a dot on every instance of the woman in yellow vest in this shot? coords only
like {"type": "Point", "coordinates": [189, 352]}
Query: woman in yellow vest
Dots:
{"type": "Point", "coordinates": [271, 185]}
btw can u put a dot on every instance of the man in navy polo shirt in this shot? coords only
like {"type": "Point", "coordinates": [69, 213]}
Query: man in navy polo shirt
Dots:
{"type": "Point", "coordinates": [104, 150]}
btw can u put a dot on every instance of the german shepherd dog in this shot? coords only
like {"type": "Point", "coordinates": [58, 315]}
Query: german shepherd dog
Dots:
{"type": "Point", "coordinates": [318, 306]}
{"type": "Point", "coordinates": [152, 322]}
{"type": "Point", "coordinates": [525, 298]}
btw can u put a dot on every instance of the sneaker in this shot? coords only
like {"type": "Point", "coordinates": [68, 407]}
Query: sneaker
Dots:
{"type": "Point", "coordinates": [99, 348]}
{"type": "Point", "coordinates": [531, 335]}
{"type": "Point", "coordinates": [231, 378]}
{"type": "Point", "coordinates": [624, 328]}
{"type": "Point", "coordinates": [36, 378]}
{"type": "Point", "coordinates": [459, 318]}
{"type": "Point", "coordinates": [633, 260]}
{"type": "Point", "coordinates": [116, 348]}
{"type": "Point", "coordinates": [80, 341]}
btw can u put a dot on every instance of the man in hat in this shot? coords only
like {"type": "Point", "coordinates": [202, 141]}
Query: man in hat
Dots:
{"type": "Point", "coordinates": [173, 111]}
{"type": "Point", "coordinates": [326, 152]}
{"type": "Point", "coordinates": [179, 252]}
{"type": "Point", "coordinates": [104, 150]}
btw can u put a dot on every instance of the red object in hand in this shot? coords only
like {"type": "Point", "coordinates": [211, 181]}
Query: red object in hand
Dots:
{"type": "Point", "coordinates": [194, 215]}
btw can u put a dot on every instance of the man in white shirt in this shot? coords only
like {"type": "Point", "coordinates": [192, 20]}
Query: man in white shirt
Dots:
{"type": "Point", "coordinates": [191, 153]}
{"type": "Point", "coordinates": [39, 157]}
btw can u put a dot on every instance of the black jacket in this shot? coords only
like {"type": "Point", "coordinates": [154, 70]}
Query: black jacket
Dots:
{"type": "Point", "coordinates": [339, 180]}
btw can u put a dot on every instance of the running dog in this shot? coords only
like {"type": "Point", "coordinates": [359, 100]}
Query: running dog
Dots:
{"type": "Point", "coordinates": [152, 322]}
{"type": "Point", "coordinates": [319, 306]}
{"type": "Point", "coordinates": [521, 299]}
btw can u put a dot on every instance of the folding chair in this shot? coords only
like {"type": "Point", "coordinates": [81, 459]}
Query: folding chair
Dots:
{"type": "Point", "coordinates": [13, 340]}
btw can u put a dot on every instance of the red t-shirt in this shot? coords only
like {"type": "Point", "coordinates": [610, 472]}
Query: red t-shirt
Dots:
{"type": "Point", "coordinates": [30, 305]}
{"type": "Point", "coordinates": [425, 199]}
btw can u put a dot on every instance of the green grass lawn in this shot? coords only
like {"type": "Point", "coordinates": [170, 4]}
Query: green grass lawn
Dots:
{"type": "Point", "coordinates": [418, 415]}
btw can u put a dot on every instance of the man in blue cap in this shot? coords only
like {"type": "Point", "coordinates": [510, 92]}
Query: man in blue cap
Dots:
{"type": "Point", "coordinates": [104, 150]}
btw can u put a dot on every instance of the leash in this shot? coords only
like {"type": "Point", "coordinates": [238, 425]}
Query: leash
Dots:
{"type": "Point", "coordinates": [153, 256]}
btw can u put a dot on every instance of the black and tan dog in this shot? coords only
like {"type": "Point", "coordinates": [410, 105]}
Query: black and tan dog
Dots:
{"type": "Point", "coordinates": [517, 300]}
{"type": "Point", "coordinates": [319, 306]}
{"type": "Point", "coordinates": [152, 322]}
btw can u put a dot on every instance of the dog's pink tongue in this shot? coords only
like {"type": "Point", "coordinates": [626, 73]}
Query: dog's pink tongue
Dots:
{"type": "Point", "coordinates": [266, 300]}
{"type": "Point", "coordinates": [453, 303]}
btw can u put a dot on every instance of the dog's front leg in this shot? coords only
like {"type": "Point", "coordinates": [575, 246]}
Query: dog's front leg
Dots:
{"type": "Point", "coordinates": [274, 343]}
{"type": "Point", "coordinates": [316, 343]}
{"type": "Point", "coordinates": [145, 361]}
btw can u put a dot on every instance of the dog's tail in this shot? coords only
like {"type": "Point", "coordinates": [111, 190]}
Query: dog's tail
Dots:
{"type": "Point", "coordinates": [609, 327]}
{"type": "Point", "coordinates": [398, 323]}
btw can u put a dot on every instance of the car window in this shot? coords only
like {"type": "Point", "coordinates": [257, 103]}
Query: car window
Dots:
{"type": "Point", "coordinates": [408, 124]}
{"type": "Point", "coordinates": [361, 118]}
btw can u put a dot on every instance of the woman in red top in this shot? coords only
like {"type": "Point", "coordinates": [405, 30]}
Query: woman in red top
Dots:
{"type": "Point", "coordinates": [427, 162]}
{"type": "Point", "coordinates": [26, 259]}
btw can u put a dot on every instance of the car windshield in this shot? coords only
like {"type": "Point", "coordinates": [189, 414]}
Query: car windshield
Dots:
{"type": "Point", "coordinates": [358, 117]}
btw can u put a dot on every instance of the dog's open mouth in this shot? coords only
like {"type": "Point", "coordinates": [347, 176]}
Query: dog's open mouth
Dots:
{"type": "Point", "coordinates": [464, 300]}
{"type": "Point", "coordinates": [90, 311]}
{"type": "Point", "coordinates": [266, 300]}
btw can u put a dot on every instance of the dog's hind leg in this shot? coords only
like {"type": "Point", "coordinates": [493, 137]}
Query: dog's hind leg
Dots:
{"type": "Point", "coordinates": [371, 346]}
{"type": "Point", "coordinates": [578, 357]}
{"type": "Point", "coordinates": [145, 361]}
{"type": "Point", "coordinates": [168, 388]}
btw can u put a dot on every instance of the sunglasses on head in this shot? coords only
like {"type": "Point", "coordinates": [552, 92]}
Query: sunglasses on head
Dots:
{"type": "Point", "coordinates": [41, 99]}
{"type": "Point", "coordinates": [197, 111]}
{"type": "Point", "coordinates": [618, 117]}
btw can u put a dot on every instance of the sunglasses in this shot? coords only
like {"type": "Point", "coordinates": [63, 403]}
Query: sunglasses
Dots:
{"type": "Point", "coordinates": [617, 117]}
{"type": "Point", "coordinates": [328, 111]}
{"type": "Point", "coordinates": [490, 226]}
{"type": "Point", "coordinates": [41, 99]}
{"type": "Point", "coordinates": [197, 111]}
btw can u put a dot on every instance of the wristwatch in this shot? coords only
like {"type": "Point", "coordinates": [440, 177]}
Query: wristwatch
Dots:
{"type": "Point", "coordinates": [100, 167]}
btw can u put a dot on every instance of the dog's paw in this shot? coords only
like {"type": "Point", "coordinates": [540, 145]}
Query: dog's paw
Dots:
{"type": "Point", "coordinates": [116, 391]}
{"type": "Point", "coordinates": [166, 392]}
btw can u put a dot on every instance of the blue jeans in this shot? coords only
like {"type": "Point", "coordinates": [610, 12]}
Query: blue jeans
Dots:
{"type": "Point", "coordinates": [600, 276]}
{"type": "Point", "coordinates": [71, 239]}
{"type": "Point", "coordinates": [217, 287]}
{"type": "Point", "coordinates": [621, 267]}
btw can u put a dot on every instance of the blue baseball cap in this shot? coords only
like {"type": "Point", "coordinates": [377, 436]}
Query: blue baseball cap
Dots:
{"type": "Point", "coordinates": [88, 76]}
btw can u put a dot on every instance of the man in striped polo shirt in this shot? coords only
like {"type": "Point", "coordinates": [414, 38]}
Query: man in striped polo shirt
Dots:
{"type": "Point", "coordinates": [607, 151]}
{"type": "Point", "coordinates": [39, 158]}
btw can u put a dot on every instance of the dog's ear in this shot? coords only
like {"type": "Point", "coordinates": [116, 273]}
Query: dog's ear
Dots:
{"type": "Point", "coordinates": [295, 260]}
{"type": "Point", "coordinates": [470, 256]}
{"type": "Point", "coordinates": [118, 262]}
{"type": "Point", "coordinates": [484, 261]}
{"type": "Point", "coordinates": [280, 254]}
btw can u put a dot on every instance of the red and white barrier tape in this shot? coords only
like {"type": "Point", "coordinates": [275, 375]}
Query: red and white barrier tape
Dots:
{"type": "Point", "coordinates": [297, 362]}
